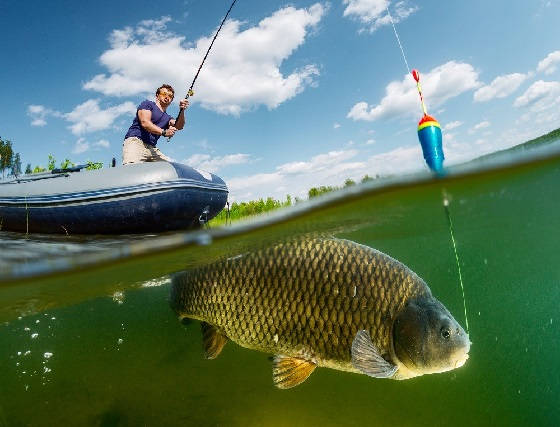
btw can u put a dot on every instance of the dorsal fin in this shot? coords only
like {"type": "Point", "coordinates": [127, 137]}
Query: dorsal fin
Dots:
{"type": "Point", "coordinates": [367, 359]}
{"type": "Point", "coordinates": [212, 340]}
{"type": "Point", "coordinates": [287, 372]}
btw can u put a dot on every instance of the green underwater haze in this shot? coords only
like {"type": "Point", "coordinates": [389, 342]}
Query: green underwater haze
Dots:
{"type": "Point", "coordinates": [88, 338]}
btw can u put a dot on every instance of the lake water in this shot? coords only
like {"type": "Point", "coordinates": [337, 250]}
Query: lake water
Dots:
{"type": "Point", "coordinates": [87, 336]}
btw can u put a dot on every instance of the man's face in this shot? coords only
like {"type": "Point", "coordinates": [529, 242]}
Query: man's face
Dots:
{"type": "Point", "coordinates": [165, 96]}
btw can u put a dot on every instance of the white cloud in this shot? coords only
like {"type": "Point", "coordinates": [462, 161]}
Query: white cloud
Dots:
{"type": "Point", "coordinates": [39, 121]}
{"type": "Point", "coordinates": [329, 169]}
{"type": "Point", "coordinates": [296, 178]}
{"type": "Point", "coordinates": [255, 186]}
{"type": "Point", "coordinates": [213, 164]}
{"type": "Point", "coordinates": [89, 117]}
{"type": "Point", "coordinates": [549, 64]}
{"type": "Point", "coordinates": [81, 146]}
{"type": "Point", "coordinates": [103, 143]}
{"type": "Point", "coordinates": [500, 87]}
{"type": "Point", "coordinates": [153, 30]}
{"type": "Point", "coordinates": [395, 162]}
{"type": "Point", "coordinates": [482, 125]}
{"type": "Point", "coordinates": [319, 163]}
{"type": "Point", "coordinates": [333, 168]}
{"type": "Point", "coordinates": [540, 96]}
{"type": "Point", "coordinates": [452, 125]}
{"type": "Point", "coordinates": [439, 85]}
{"type": "Point", "coordinates": [39, 114]}
{"type": "Point", "coordinates": [372, 14]}
{"type": "Point", "coordinates": [241, 73]}
{"type": "Point", "coordinates": [336, 125]}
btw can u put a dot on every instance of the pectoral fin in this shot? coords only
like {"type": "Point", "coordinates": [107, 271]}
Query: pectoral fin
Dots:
{"type": "Point", "coordinates": [213, 340]}
{"type": "Point", "coordinates": [287, 372]}
{"type": "Point", "coordinates": [367, 358]}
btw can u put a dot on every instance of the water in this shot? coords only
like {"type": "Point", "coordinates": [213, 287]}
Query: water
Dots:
{"type": "Point", "coordinates": [87, 336]}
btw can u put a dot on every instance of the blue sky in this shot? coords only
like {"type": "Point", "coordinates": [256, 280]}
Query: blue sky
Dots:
{"type": "Point", "coordinates": [293, 95]}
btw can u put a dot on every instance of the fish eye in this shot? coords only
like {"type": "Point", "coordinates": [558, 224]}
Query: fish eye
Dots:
{"type": "Point", "coordinates": [445, 332]}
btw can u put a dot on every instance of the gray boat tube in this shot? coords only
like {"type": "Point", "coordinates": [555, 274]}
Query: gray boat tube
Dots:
{"type": "Point", "coordinates": [137, 198]}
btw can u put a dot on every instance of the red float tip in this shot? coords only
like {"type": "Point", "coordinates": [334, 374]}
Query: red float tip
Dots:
{"type": "Point", "coordinates": [416, 75]}
{"type": "Point", "coordinates": [427, 118]}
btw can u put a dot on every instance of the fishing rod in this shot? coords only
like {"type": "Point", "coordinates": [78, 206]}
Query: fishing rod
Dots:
{"type": "Point", "coordinates": [190, 92]}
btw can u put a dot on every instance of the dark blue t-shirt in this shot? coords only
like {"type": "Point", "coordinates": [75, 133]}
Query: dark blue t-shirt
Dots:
{"type": "Point", "coordinates": [159, 118]}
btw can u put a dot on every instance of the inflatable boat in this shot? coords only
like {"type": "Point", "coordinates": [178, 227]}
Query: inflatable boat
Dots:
{"type": "Point", "coordinates": [137, 198]}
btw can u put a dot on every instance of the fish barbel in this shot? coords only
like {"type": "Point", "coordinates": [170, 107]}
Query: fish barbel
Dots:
{"type": "Point", "coordinates": [322, 302]}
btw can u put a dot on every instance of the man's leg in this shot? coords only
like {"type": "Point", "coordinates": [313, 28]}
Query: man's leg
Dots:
{"type": "Point", "coordinates": [134, 151]}
{"type": "Point", "coordinates": [158, 156]}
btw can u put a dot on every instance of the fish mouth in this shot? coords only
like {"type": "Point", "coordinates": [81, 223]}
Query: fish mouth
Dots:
{"type": "Point", "coordinates": [460, 362]}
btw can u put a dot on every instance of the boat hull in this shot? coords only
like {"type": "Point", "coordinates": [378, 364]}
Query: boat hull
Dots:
{"type": "Point", "coordinates": [143, 198]}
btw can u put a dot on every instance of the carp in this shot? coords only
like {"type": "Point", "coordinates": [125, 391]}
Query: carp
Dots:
{"type": "Point", "coordinates": [322, 302]}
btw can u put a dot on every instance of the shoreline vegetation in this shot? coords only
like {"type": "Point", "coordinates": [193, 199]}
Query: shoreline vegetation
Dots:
{"type": "Point", "coordinates": [242, 210]}
{"type": "Point", "coordinates": [11, 161]}
{"type": "Point", "coordinates": [539, 142]}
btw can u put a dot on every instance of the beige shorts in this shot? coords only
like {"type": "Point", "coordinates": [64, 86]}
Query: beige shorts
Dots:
{"type": "Point", "coordinates": [137, 151]}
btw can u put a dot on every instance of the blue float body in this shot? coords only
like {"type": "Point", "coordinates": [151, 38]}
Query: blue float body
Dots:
{"type": "Point", "coordinates": [430, 139]}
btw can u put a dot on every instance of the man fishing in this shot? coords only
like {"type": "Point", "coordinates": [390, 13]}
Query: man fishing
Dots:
{"type": "Point", "coordinates": [151, 122]}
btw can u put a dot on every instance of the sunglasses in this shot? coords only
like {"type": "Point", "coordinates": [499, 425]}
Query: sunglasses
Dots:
{"type": "Point", "coordinates": [164, 93]}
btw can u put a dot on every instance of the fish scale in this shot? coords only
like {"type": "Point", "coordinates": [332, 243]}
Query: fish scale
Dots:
{"type": "Point", "coordinates": [301, 297]}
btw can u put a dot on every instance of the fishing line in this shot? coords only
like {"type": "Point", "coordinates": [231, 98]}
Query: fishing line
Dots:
{"type": "Point", "coordinates": [445, 199]}
{"type": "Point", "coordinates": [190, 92]}
{"type": "Point", "coordinates": [450, 223]}
{"type": "Point", "coordinates": [398, 39]}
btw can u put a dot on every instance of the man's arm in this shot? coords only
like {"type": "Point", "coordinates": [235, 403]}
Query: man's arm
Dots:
{"type": "Point", "coordinates": [179, 123]}
{"type": "Point", "coordinates": [145, 118]}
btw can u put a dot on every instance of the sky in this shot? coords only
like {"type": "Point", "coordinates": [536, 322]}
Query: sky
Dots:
{"type": "Point", "coordinates": [293, 95]}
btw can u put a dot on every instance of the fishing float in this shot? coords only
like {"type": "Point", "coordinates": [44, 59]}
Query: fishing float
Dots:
{"type": "Point", "coordinates": [429, 130]}
{"type": "Point", "coordinates": [429, 134]}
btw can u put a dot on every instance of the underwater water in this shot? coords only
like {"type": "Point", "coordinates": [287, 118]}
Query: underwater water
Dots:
{"type": "Point", "coordinates": [87, 336]}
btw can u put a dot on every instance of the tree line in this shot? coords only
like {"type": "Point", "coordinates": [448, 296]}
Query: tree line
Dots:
{"type": "Point", "coordinates": [11, 161]}
{"type": "Point", "coordinates": [240, 210]}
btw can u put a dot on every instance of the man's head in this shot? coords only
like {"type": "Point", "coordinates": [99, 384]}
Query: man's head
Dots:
{"type": "Point", "coordinates": [165, 94]}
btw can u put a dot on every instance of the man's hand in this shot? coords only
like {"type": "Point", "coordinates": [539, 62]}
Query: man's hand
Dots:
{"type": "Point", "coordinates": [183, 104]}
{"type": "Point", "coordinates": [170, 131]}
{"type": "Point", "coordinates": [179, 123]}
